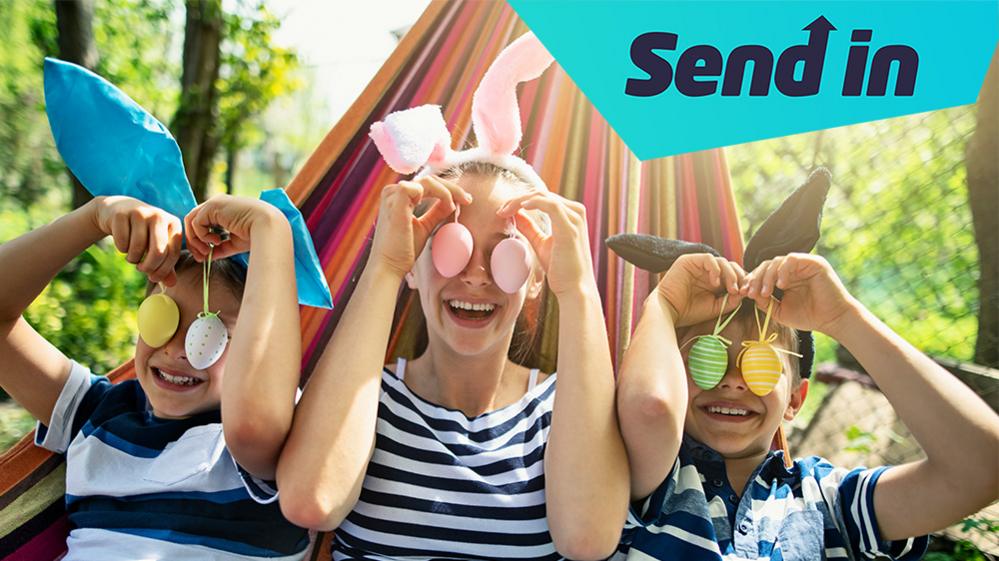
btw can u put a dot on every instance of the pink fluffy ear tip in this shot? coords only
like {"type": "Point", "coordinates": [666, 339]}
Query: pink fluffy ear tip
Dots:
{"type": "Point", "coordinates": [510, 265]}
{"type": "Point", "coordinates": [387, 148]}
{"type": "Point", "coordinates": [451, 249]}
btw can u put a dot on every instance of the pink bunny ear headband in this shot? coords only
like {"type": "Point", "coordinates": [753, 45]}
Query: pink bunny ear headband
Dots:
{"type": "Point", "coordinates": [417, 140]}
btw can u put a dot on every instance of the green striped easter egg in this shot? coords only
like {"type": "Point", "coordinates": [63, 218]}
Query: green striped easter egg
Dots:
{"type": "Point", "coordinates": [707, 361]}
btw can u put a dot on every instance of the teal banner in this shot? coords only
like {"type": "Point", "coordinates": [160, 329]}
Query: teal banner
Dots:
{"type": "Point", "coordinates": [675, 77]}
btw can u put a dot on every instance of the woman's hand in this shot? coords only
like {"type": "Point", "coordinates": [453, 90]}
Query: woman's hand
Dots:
{"type": "Point", "coordinates": [565, 253]}
{"type": "Point", "coordinates": [696, 284]}
{"type": "Point", "coordinates": [150, 237]}
{"type": "Point", "coordinates": [814, 298]}
{"type": "Point", "coordinates": [399, 234]}
{"type": "Point", "coordinates": [239, 217]}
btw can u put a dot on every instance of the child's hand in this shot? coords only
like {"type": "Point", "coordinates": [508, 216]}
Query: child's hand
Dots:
{"type": "Point", "coordinates": [696, 284]}
{"type": "Point", "coordinates": [565, 253]}
{"type": "Point", "coordinates": [150, 237]}
{"type": "Point", "coordinates": [399, 235]}
{"type": "Point", "coordinates": [814, 298]}
{"type": "Point", "coordinates": [238, 216]}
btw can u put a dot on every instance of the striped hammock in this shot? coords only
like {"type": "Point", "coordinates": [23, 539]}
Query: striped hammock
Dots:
{"type": "Point", "coordinates": [441, 60]}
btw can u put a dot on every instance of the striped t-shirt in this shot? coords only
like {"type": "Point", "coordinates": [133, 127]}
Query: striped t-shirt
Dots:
{"type": "Point", "coordinates": [141, 487]}
{"type": "Point", "coordinates": [445, 486]}
{"type": "Point", "coordinates": [812, 511]}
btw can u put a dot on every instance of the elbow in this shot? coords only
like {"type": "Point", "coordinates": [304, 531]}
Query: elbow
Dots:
{"type": "Point", "coordinates": [304, 502]}
{"type": "Point", "coordinates": [649, 407]}
{"type": "Point", "coordinates": [587, 545]}
{"type": "Point", "coordinates": [309, 510]}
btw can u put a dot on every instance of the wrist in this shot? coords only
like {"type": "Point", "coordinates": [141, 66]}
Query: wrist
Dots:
{"type": "Point", "coordinates": [89, 214]}
{"type": "Point", "coordinates": [658, 300]}
{"type": "Point", "coordinates": [846, 322]}
{"type": "Point", "coordinates": [579, 293]}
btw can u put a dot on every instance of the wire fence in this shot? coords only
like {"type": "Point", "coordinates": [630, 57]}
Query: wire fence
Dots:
{"type": "Point", "coordinates": [898, 230]}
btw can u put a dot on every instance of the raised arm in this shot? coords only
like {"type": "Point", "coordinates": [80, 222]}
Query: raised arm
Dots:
{"type": "Point", "coordinates": [652, 382]}
{"type": "Point", "coordinates": [957, 430]}
{"type": "Point", "coordinates": [324, 461]}
{"type": "Point", "coordinates": [586, 468]}
{"type": "Point", "coordinates": [264, 360]}
{"type": "Point", "coordinates": [34, 371]}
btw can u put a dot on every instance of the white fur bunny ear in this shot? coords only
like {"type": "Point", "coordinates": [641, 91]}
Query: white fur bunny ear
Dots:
{"type": "Point", "coordinates": [410, 139]}
{"type": "Point", "coordinates": [495, 113]}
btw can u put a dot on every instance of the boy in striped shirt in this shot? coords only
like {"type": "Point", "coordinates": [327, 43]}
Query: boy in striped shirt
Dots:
{"type": "Point", "coordinates": [148, 470]}
{"type": "Point", "coordinates": [705, 481]}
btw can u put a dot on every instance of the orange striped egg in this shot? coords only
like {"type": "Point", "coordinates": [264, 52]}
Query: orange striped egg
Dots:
{"type": "Point", "coordinates": [760, 367]}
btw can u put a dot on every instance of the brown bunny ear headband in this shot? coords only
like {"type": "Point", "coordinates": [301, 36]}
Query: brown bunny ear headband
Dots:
{"type": "Point", "coordinates": [793, 227]}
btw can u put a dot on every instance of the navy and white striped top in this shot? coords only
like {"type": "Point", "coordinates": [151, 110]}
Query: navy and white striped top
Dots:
{"type": "Point", "coordinates": [812, 511]}
{"type": "Point", "coordinates": [141, 487]}
{"type": "Point", "coordinates": [442, 485]}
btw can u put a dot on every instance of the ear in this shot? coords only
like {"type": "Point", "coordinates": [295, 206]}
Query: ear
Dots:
{"type": "Point", "coordinates": [536, 282]}
{"type": "Point", "coordinates": [411, 280]}
{"type": "Point", "coordinates": [797, 400]}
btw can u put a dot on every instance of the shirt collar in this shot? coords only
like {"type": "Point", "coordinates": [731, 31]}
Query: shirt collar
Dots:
{"type": "Point", "coordinates": [707, 460]}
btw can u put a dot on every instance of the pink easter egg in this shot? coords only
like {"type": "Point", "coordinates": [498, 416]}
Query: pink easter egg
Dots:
{"type": "Point", "coordinates": [510, 265]}
{"type": "Point", "coordinates": [451, 249]}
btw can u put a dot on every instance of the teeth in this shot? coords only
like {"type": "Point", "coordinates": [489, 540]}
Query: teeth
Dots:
{"type": "Point", "coordinates": [179, 380]}
{"type": "Point", "coordinates": [461, 305]}
{"type": "Point", "coordinates": [728, 411]}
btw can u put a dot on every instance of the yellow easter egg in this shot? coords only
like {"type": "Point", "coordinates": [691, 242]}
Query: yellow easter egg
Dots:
{"type": "Point", "coordinates": [760, 368]}
{"type": "Point", "coordinates": [158, 318]}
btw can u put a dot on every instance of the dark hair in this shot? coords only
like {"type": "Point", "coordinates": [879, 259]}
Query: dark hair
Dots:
{"type": "Point", "coordinates": [231, 272]}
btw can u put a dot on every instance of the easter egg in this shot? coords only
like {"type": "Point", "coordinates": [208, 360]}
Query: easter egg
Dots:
{"type": "Point", "coordinates": [510, 265]}
{"type": "Point", "coordinates": [206, 340]}
{"type": "Point", "coordinates": [760, 367]}
{"type": "Point", "coordinates": [707, 361]}
{"type": "Point", "coordinates": [157, 317]}
{"type": "Point", "coordinates": [451, 249]}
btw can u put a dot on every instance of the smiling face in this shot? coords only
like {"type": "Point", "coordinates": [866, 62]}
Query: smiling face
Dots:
{"type": "Point", "coordinates": [730, 418]}
{"type": "Point", "coordinates": [468, 313]}
{"type": "Point", "coordinates": [176, 389]}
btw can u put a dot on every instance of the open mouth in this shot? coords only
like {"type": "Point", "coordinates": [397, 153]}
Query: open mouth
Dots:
{"type": "Point", "coordinates": [469, 312]}
{"type": "Point", "coordinates": [174, 380]}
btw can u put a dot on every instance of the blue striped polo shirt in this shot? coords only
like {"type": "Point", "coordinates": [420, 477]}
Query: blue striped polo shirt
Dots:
{"type": "Point", "coordinates": [441, 485]}
{"type": "Point", "coordinates": [140, 487]}
{"type": "Point", "coordinates": [812, 511]}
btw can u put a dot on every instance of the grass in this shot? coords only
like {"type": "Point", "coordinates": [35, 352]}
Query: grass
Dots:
{"type": "Point", "coordinates": [15, 422]}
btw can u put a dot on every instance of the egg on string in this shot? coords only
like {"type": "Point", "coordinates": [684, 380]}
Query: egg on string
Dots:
{"type": "Point", "coordinates": [206, 340]}
{"type": "Point", "coordinates": [707, 361]}
{"type": "Point", "coordinates": [158, 318]}
{"type": "Point", "coordinates": [510, 265]}
{"type": "Point", "coordinates": [451, 249]}
{"type": "Point", "coordinates": [760, 366]}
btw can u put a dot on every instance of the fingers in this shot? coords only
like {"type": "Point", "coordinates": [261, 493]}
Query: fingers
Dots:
{"type": "Point", "coordinates": [121, 231]}
{"type": "Point", "coordinates": [535, 236]}
{"type": "Point", "coordinates": [759, 284]}
{"type": "Point", "coordinates": [731, 275]}
{"type": "Point", "coordinates": [163, 249]}
{"type": "Point", "coordinates": [138, 239]}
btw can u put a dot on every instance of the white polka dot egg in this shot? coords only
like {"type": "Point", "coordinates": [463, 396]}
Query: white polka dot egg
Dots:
{"type": "Point", "coordinates": [206, 340]}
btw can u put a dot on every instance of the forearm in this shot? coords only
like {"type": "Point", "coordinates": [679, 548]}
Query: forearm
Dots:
{"type": "Point", "coordinates": [586, 469]}
{"type": "Point", "coordinates": [30, 262]}
{"type": "Point", "coordinates": [957, 430]}
{"type": "Point", "coordinates": [264, 364]}
{"type": "Point", "coordinates": [324, 461]}
{"type": "Point", "coordinates": [652, 397]}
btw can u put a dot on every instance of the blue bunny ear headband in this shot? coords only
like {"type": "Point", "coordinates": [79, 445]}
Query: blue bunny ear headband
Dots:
{"type": "Point", "coordinates": [115, 147]}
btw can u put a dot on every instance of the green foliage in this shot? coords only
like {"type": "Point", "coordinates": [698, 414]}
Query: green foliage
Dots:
{"type": "Point", "coordinates": [88, 311]}
{"type": "Point", "coordinates": [897, 226]}
{"type": "Point", "coordinates": [254, 72]}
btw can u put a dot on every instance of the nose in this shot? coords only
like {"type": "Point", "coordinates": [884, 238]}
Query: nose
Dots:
{"type": "Point", "coordinates": [733, 379]}
{"type": "Point", "coordinates": [476, 273]}
{"type": "Point", "coordinates": [174, 348]}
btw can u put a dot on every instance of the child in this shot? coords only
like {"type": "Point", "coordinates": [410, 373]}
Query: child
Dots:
{"type": "Point", "coordinates": [148, 472]}
{"type": "Point", "coordinates": [720, 491]}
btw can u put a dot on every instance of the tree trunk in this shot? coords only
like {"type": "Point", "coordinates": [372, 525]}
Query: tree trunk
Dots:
{"type": "Point", "coordinates": [231, 159]}
{"type": "Point", "coordinates": [982, 160]}
{"type": "Point", "coordinates": [74, 21]}
{"type": "Point", "coordinates": [194, 123]}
